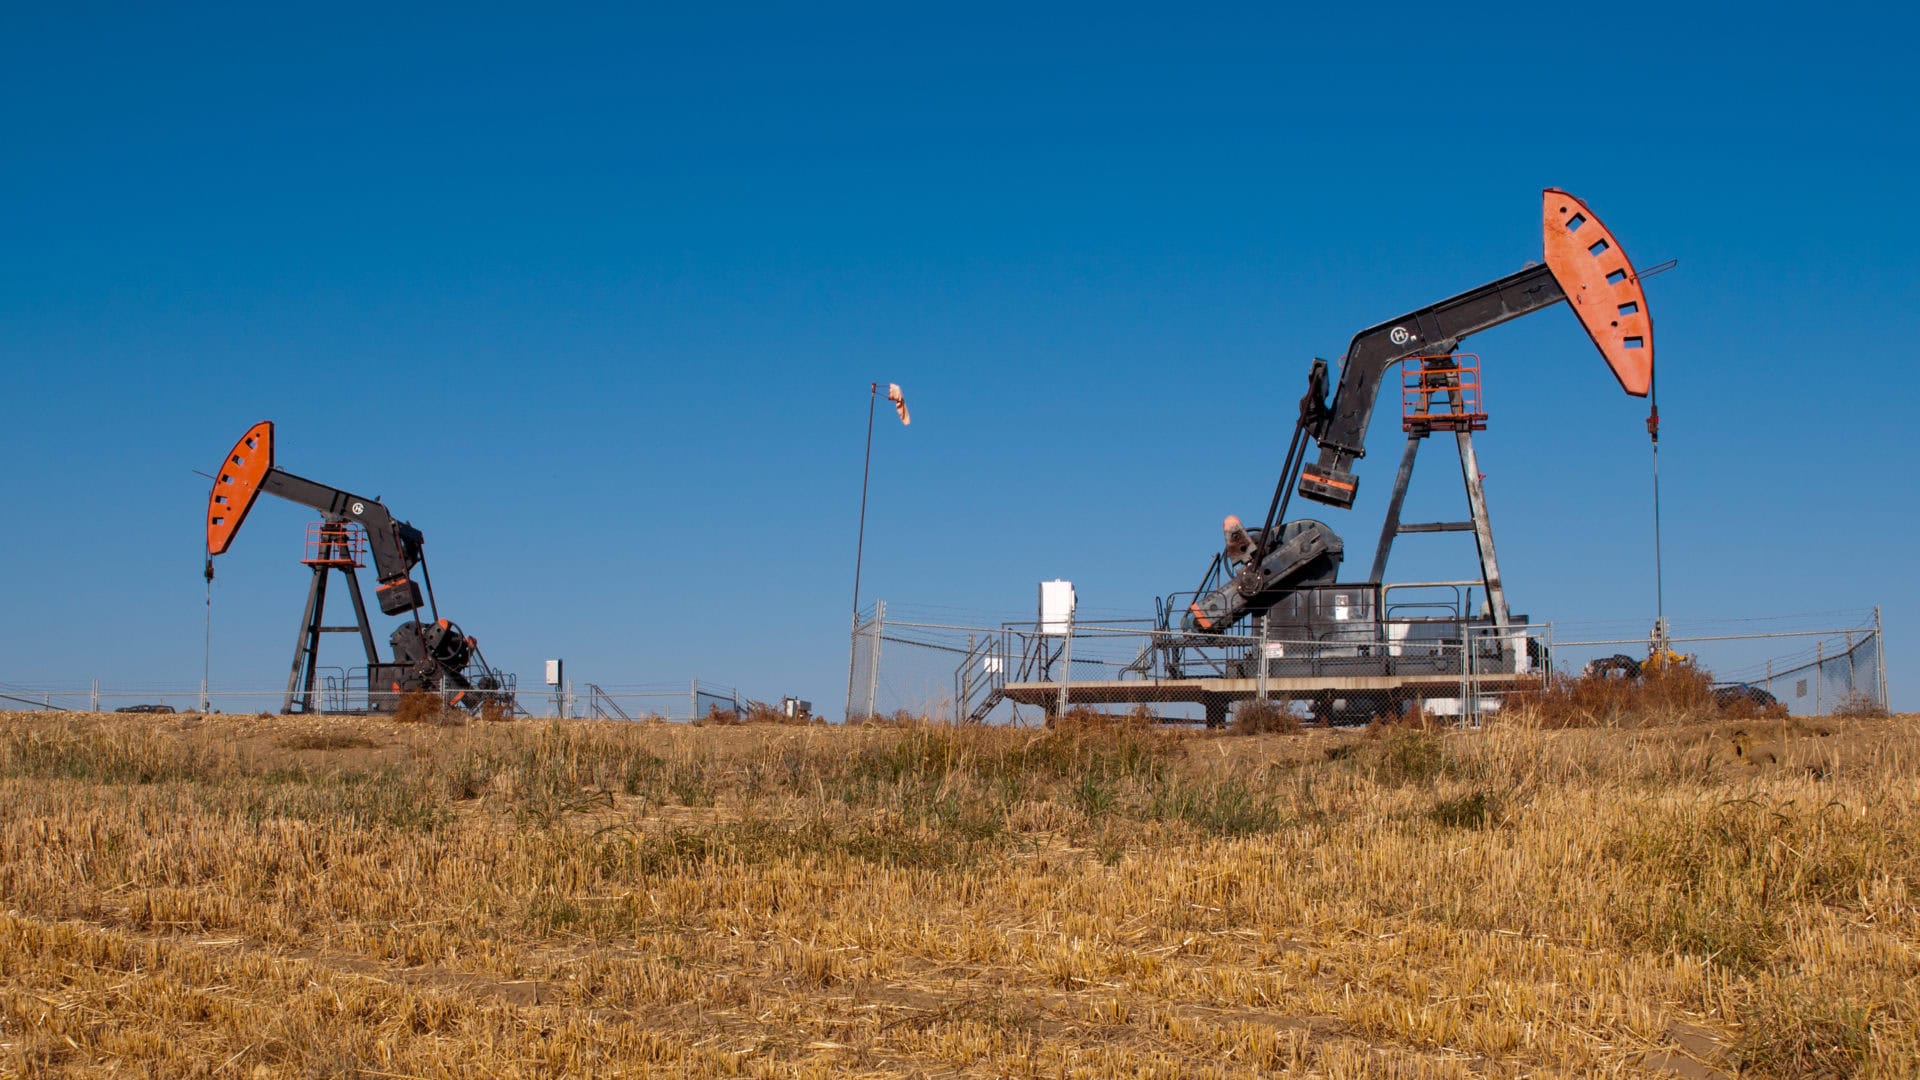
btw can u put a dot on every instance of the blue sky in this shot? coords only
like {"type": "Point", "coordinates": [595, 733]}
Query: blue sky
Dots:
{"type": "Point", "coordinates": [594, 299]}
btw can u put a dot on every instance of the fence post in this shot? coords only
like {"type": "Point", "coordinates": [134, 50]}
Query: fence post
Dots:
{"type": "Point", "coordinates": [962, 680]}
{"type": "Point", "coordinates": [693, 700]}
{"type": "Point", "coordinates": [1880, 658]}
{"type": "Point", "coordinates": [1066, 663]}
{"type": "Point", "coordinates": [853, 651]}
{"type": "Point", "coordinates": [93, 699]}
{"type": "Point", "coordinates": [1465, 699]}
{"type": "Point", "coordinates": [1262, 652]}
{"type": "Point", "coordinates": [1473, 684]}
{"type": "Point", "coordinates": [873, 656]}
{"type": "Point", "coordinates": [1819, 671]}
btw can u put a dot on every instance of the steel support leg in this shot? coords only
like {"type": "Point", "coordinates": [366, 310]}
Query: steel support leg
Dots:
{"type": "Point", "coordinates": [1391, 526]}
{"type": "Point", "coordinates": [360, 616]}
{"type": "Point", "coordinates": [306, 647]}
{"type": "Point", "coordinates": [1482, 530]}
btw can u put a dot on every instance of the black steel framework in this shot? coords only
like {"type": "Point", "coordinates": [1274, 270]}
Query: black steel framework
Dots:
{"type": "Point", "coordinates": [1478, 521]}
{"type": "Point", "coordinates": [302, 688]}
{"type": "Point", "coordinates": [432, 656]}
{"type": "Point", "coordinates": [1340, 430]}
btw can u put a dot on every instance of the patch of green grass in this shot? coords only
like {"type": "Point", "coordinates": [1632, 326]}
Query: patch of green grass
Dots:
{"type": "Point", "coordinates": [1718, 881]}
{"type": "Point", "coordinates": [641, 773]}
{"type": "Point", "coordinates": [933, 758]}
{"type": "Point", "coordinates": [1805, 1033]}
{"type": "Point", "coordinates": [638, 856]}
{"type": "Point", "coordinates": [968, 820]}
{"type": "Point", "coordinates": [688, 782]}
{"type": "Point", "coordinates": [389, 797]}
{"type": "Point", "coordinates": [1093, 795]}
{"type": "Point", "coordinates": [328, 740]}
{"type": "Point", "coordinates": [1224, 808]}
{"type": "Point", "coordinates": [1404, 757]}
{"type": "Point", "coordinates": [102, 758]}
{"type": "Point", "coordinates": [554, 914]}
{"type": "Point", "coordinates": [1470, 811]}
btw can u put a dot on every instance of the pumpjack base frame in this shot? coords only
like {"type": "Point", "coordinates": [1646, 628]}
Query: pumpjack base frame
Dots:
{"type": "Point", "coordinates": [1217, 695]}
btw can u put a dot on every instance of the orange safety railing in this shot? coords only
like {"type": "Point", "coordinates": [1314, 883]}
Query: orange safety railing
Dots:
{"type": "Point", "coordinates": [1441, 393]}
{"type": "Point", "coordinates": [336, 543]}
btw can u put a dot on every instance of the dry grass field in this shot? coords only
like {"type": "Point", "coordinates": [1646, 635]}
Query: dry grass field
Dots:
{"type": "Point", "coordinates": [269, 897]}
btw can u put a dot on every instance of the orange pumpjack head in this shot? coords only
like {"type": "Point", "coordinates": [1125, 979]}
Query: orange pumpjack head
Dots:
{"type": "Point", "coordinates": [237, 485]}
{"type": "Point", "coordinates": [1601, 286]}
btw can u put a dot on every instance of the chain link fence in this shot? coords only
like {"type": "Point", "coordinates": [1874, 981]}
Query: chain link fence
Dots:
{"type": "Point", "coordinates": [1022, 672]}
{"type": "Point", "coordinates": [1019, 671]}
{"type": "Point", "coordinates": [344, 692]}
{"type": "Point", "coordinates": [691, 700]}
{"type": "Point", "coordinates": [1809, 665]}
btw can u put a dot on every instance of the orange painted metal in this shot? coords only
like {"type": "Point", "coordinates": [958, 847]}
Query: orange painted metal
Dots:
{"type": "Point", "coordinates": [1328, 480]}
{"type": "Point", "coordinates": [330, 543]}
{"type": "Point", "coordinates": [237, 485]}
{"type": "Point", "coordinates": [1601, 286]}
{"type": "Point", "coordinates": [1455, 379]}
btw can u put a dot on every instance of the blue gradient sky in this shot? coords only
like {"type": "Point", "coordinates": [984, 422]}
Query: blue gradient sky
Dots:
{"type": "Point", "coordinates": [594, 300]}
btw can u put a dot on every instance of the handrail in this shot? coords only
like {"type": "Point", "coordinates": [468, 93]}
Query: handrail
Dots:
{"type": "Point", "coordinates": [978, 673]}
{"type": "Point", "coordinates": [600, 704]}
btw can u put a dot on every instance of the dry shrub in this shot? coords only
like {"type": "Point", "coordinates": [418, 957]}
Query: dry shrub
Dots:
{"type": "Point", "coordinates": [1395, 756]}
{"type": "Point", "coordinates": [424, 707]}
{"type": "Point", "coordinates": [717, 717]}
{"type": "Point", "coordinates": [1742, 707]}
{"type": "Point", "coordinates": [1084, 719]}
{"type": "Point", "coordinates": [495, 711]}
{"type": "Point", "coordinates": [900, 719]}
{"type": "Point", "coordinates": [1261, 717]}
{"type": "Point", "coordinates": [1668, 694]}
{"type": "Point", "coordinates": [759, 712]}
{"type": "Point", "coordinates": [1414, 717]}
{"type": "Point", "coordinates": [1858, 706]}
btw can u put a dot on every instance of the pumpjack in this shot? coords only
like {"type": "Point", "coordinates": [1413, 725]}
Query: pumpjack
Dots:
{"type": "Point", "coordinates": [430, 655]}
{"type": "Point", "coordinates": [1285, 572]}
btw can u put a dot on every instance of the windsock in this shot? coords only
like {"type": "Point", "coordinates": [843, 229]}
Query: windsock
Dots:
{"type": "Point", "coordinates": [899, 402]}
